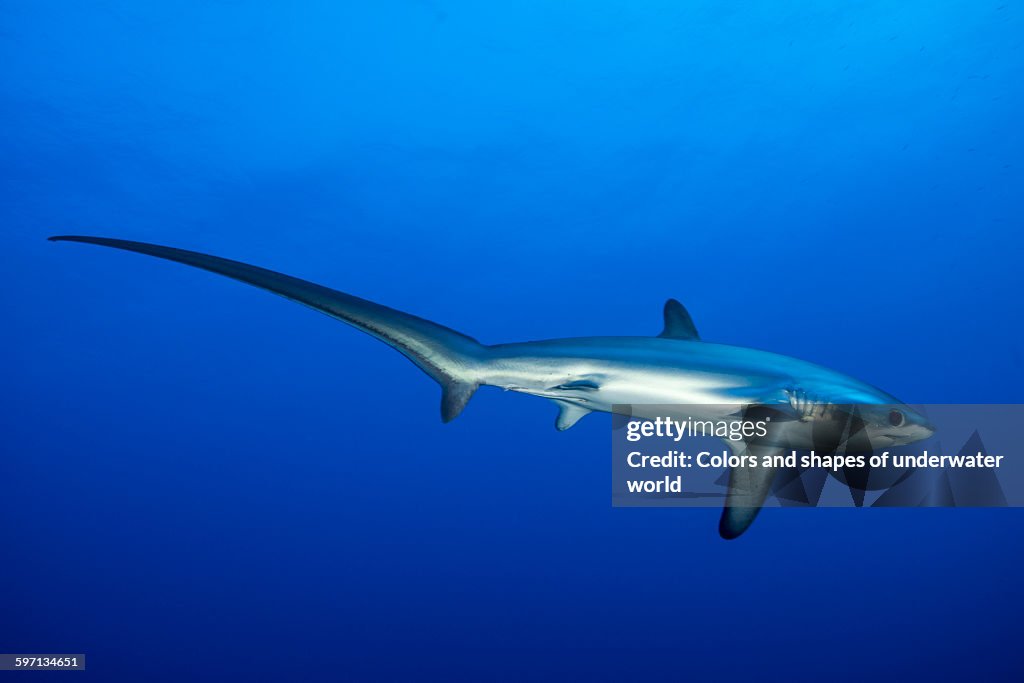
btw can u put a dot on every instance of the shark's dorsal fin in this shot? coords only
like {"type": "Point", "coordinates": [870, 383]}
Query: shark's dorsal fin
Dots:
{"type": "Point", "coordinates": [568, 414]}
{"type": "Point", "coordinates": [678, 323]}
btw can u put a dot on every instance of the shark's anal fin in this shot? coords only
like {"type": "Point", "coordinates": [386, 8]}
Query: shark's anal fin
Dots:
{"type": "Point", "coordinates": [678, 323]}
{"type": "Point", "coordinates": [748, 489]}
{"type": "Point", "coordinates": [568, 414]}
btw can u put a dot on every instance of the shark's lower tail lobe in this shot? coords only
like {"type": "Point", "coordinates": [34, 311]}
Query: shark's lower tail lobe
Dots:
{"type": "Point", "coordinates": [451, 358]}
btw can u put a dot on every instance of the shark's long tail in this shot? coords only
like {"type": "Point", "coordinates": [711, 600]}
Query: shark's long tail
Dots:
{"type": "Point", "coordinates": [452, 359]}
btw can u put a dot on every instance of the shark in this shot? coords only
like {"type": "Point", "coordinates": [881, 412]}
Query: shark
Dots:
{"type": "Point", "coordinates": [813, 406]}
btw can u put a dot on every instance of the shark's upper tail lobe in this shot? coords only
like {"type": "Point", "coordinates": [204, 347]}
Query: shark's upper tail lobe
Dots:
{"type": "Point", "coordinates": [451, 358]}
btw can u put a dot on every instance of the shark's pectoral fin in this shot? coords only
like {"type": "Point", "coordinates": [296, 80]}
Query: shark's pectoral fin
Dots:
{"type": "Point", "coordinates": [568, 414]}
{"type": "Point", "coordinates": [748, 489]}
{"type": "Point", "coordinates": [678, 323]}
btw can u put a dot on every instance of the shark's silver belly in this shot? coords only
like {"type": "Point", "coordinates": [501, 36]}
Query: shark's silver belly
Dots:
{"type": "Point", "coordinates": [598, 373]}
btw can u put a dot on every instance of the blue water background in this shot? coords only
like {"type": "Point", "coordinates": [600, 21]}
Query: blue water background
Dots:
{"type": "Point", "coordinates": [200, 481]}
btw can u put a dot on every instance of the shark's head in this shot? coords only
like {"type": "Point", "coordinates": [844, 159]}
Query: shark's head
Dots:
{"type": "Point", "coordinates": [858, 416]}
{"type": "Point", "coordinates": [893, 424]}
{"type": "Point", "coordinates": [859, 427]}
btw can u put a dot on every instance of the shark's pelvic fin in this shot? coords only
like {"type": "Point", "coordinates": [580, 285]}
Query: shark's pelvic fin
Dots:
{"type": "Point", "coordinates": [678, 323]}
{"type": "Point", "coordinates": [568, 414]}
{"type": "Point", "coordinates": [452, 359]}
{"type": "Point", "coordinates": [748, 488]}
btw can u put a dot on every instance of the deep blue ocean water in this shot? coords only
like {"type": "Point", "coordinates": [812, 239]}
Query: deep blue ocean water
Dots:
{"type": "Point", "coordinates": [201, 481]}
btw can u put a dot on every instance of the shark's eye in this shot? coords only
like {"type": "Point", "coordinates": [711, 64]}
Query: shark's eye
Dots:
{"type": "Point", "coordinates": [896, 418]}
